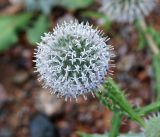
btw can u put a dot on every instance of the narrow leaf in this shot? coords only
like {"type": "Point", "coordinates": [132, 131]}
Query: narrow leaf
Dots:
{"type": "Point", "coordinates": [9, 25]}
{"type": "Point", "coordinates": [73, 5]}
{"type": "Point", "coordinates": [40, 26]}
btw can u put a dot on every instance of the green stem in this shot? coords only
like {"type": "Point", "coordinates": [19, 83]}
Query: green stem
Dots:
{"type": "Point", "coordinates": [156, 61]}
{"type": "Point", "coordinates": [148, 109]}
{"type": "Point", "coordinates": [116, 121]}
{"type": "Point", "coordinates": [112, 91]}
{"type": "Point", "coordinates": [152, 44]}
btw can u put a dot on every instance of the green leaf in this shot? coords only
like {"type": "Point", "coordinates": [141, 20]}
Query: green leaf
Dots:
{"type": "Point", "coordinates": [112, 91]}
{"type": "Point", "coordinates": [148, 109]}
{"type": "Point", "coordinates": [5, 20]}
{"type": "Point", "coordinates": [150, 30]}
{"type": "Point", "coordinates": [7, 38]}
{"type": "Point", "coordinates": [106, 135]}
{"type": "Point", "coordinates": [40, 26]}
{"type": "Point", "coordinates": [154, 34]}
{"type": "Point", "coordinates": [75, 4]}
{"type": "Point", "coordinates": [116, 122]}
{"type": "Point", "coordinates": [10, 25]}
{"type": "Point", "coordinates": [92, 135]}
{"type": "Point", "coordinates": [94, 14]}
{"type": "Point", "coordinates": [142, 41]}
{"type": "Point", "coordinates": [156, 66]}
{"type": "Point", "coordinates": [22, 20]}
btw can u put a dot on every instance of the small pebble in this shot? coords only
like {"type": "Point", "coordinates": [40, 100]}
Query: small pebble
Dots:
{"type": "Point", "coordinates": [20, 77]}
{"type": "Point", "coordinates": [40, 126]}
{"type": "Point", "coordinates": [5, 132]}
{"type": "Point", "coordinates": [48, 104]}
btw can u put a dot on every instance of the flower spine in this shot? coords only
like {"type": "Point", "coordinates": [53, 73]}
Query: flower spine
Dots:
{"type": "Point", "coordinates": [127, 10]}
{"type": "Point", "coordinates": [152, 128]}
{"type": "Point", "coordinates": [73, 59]}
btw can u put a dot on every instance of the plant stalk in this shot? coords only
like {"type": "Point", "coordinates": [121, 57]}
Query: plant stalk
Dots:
{"type": "Point", "coordinates": [150, 40]}
{"type": "Point", "coordinates": [118, 100]}
{"type": "Point", "coordinates": [156, 61]}
{"type": "Point", "coordinates": [148, 109]}
{"type": "Point", "coordinates": [116, 121]}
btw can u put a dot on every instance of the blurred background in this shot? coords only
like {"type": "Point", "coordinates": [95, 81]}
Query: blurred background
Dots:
{"type": "Point", "coordinates": [28, 110]}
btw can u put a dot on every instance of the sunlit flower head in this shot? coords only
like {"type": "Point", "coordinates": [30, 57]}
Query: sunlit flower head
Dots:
{"type": "Point", "coordinates": [73, 59]}
{"type": "Point", "coordinates": [152, 128]}
{"type": "Point", "coordinates": [127, 10]}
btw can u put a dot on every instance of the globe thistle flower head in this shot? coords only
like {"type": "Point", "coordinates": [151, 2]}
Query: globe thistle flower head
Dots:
{"type": "Point", "coordinates": [152, 128]}
{"type": "Point", "coordinates": [73, 59]}
{"type": "Point", "coordinates": [127, 10]}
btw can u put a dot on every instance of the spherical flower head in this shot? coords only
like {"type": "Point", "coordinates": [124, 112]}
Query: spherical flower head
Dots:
{"type": "Point", "coordinates": [127, 10]}
{"type": "Point", "coordinates": [152, 128]}
{"type": "Point", "coordinates": [73, 59]}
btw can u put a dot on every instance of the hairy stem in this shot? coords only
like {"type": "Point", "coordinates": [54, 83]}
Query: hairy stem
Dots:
{"type": "Point", "coordinates": [156, 61]}
{"type": "Point", "coordinates": [116, 121]}
{"type": "Point", "coordinates": [112, 92]}
{"type": "Point", "coordinates": [148, 109]}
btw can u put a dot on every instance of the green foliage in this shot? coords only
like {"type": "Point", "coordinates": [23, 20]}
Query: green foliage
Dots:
{"type": "Point", "coordinates": [156, 66]}
{"type": "Point", "coordinates": [9, 26]}
{"type": "Point", "coordinates": [148, 109]}
{"type": "Point", "coordinates": [116, 122]}
{"type": "Point", "coordinates": [107, 135]}
{"type": "Point", "coordinates": [154, 34]}
{"type": "Point", "coordinates": [92, 135]}
{"type": "Point", "coordinates": [8, 35]}
{"type": "Point", "coordinates": [46, 5]}
{"type": "Point", "coordinates": [150, 30]}
{"type": "Point", "coordinates": [75, 4]}
{"type": "Point", "coordinates": [113, 92]}
{"type": "Point", "coordinates": [142, 40]}
{"type": "Point", "coordinates": [40, 26]}
{"type": "Point", "coordinates": [96, 15]}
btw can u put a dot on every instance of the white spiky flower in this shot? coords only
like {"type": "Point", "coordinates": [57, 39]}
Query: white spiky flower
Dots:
{"type": "Point", "coordinates": [127, 10]}
{"type": "Point", "coordinates": [152, 126]}
{"type": "Point", "coordinates": [73, 59]}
